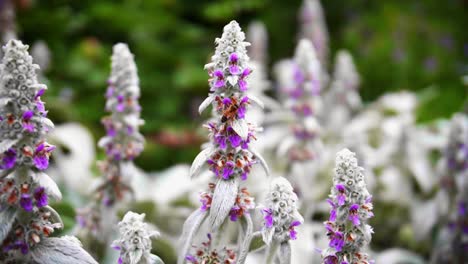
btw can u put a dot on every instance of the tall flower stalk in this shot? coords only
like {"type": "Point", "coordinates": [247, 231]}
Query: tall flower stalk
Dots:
{"type": "Point", "coordinates": [26, 219]}
{"type": "Point", "coordinates": [314, 28]}
{"type": "Point", "coordinates": [134, 242]}
{"type": "Point", "coordinates": [122, 143]}
{"type": "Point", "coordinates": [229, 154]}
{"type": "Point", "coordinates": [281, 217]}
{"type": "Point", "coordinates": [453, 240]}
{"type": "Point", "coordinates": [351, 203]}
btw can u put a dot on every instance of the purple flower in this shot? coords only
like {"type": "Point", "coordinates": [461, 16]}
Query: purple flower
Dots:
{"type": "Point", "coordinates": [333, 210]}
{"type": "Point", "coordinates": [233, 214]}
{"type": "Point", "coordinates": [41, 197]}
{"type": "Point", "coordinates": [220, 140]}
{"type": "Point", "coordinates": [26, 118]}
{"type": "Point", "coordinates": [8, 160]}
{"type": "Point", "coordinates": [235, 140]}
{"type": "Point", "coordinates": [242, 82]}
{"type": "Point", "coordinates": [341, 196]}
{"type": "Point", "coordinates": [41, 156]}
{"type": "Point", "coordinates": [120, 103]}
{"type": "Point", "coordinates": [295, 93]}
{"type": "Point", "coordinates": [268, 216]}
{"type": "Point", "coordinates": [26, 202]}
{"type": "Point", "coordinates": [336, 240]}
{"type": "Point", "coordinates": [191, 258]}
{"type": "Point", "coordinates": [298, 75]}
{"type": "Point", "coordinates": [40, 107]}
{"type": "Point", "coordinates": [228, 169]}
{"type": "Point", "coordinates": [39, 93]}
{"type": "Point", "coordinates": [219, 82]}
{"type": "Point", "coordinates": [244, 176]}
{"type": "Point", "coordinates": [292, 231]}
{"type": "Point", "coordinates": [330, 259]}
{"type": "Point", "coordinates": [234, 68]}
{"type": "Point", "coordinates": [461, 208]}
{"type": "Point", "coordinates": [110, 91]}
{"type": "Point", "coordinates": [353, 214]}
{"type": "Point", "coordinates": [120, 261]}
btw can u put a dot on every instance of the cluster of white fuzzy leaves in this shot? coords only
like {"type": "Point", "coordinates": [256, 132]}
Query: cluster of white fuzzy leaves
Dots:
{"type": "Point", "coordinates": [281, 214]}
{"type": "Point", "coordinates": [134, 242]}
{"type": "Point", "coordinates": [351, 203]}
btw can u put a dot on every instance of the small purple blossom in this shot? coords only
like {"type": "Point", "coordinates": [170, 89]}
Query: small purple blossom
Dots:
{"type": "Point", "coordinates": [9, 159]}
{"type": "Point", "coordinates": [242, 82]}
{"type": "Point", "coordinates": [292, 231]}
{"type": "Point", "coordinates": [235, 140]}
{"type": "Point", "coordinates": [353, 214]}
{"type": "Point", "coordinates": [41, 197]}
{"type": "Point", "coordinates": [341, 196]}
{"type": "Point", "coordinates": [332, 211]}
{"type": "Point", "coordinates": [234, 68]}
{"type": "Point", "coordinates": [219, 82]}
{"type": "Point", "coordinates": [191, 258]}
{"type": "Point", "coordinates": [228, 170]}
{"type": "Point", "coordinates": [120, 103]}
{"type": "Point", "coordinates": [268, 216]}
{"type": "Point", "coordinates": [336, 240]}
{"type": "Point", "coordinates": [26, 202]}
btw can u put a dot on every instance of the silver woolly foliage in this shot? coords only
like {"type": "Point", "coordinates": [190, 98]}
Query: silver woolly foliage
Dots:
{"type": "Point", "coordinates": [25, 190]}
{"type": "Point", "coordinates": [134, 242]}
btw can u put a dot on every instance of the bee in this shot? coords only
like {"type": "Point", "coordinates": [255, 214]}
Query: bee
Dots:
{"type": "Point", "coordinates": [230, 111]}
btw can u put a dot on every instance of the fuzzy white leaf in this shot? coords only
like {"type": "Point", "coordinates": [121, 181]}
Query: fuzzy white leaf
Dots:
{"type": "Point", "coordinates": [155, 260]}
{"type": "Point", "coordinates": [205, 103]}
{"type": "Point", "coordinates": [224, 197]}
{"type": "Point", "coordinates": [261, 160]}
{"type": "Point", "coordinates": [256, 100]}
{"type": "Point", "coordinates": [133, 120]}
{"type": "Point", "coordinates": [232, 79]}
{"type": "Point", "coordinates": [241, 128]}
{"type": "Point", "coordinates": [267, 235]}
{"type": "Point", "coordinates": [104, 141]}
{"type": "Point", "coordinates": [4, 101]}
{"type": "Point", "coordinates": [200, 160]}
{"type": "Point", "coordinates": [47, 122]}
{"type": "Point", "coordinates": [6, 144]}
{"type": "Point", "coordinates": [60, 251]}
{"type": "Point", "coordinates": [191, 226]}
{"type": "Point", "coordinates": [50, 186]}
{"type": "Point", "coordinates": [7, 218]}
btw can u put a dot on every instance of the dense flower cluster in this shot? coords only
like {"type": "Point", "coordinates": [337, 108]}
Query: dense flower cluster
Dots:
{"type": "Point", "coordinates": [24, 189]}
{"type": "Point", "coordinates": [134, 242]}
{"type": "Point", "coordinates": [25, 236]}
{"type": "Point", "coordinates": [280, 213]}
{"type": "Point", "coordinates": [205, 255]}
{"type": "Point", "coordinates": [351, 207]}
{"type": "Point", "coordinates": [123, 141]}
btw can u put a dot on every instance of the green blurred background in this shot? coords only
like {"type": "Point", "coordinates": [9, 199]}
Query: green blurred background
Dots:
{"type": "Point", "coordinates": [412, 44]}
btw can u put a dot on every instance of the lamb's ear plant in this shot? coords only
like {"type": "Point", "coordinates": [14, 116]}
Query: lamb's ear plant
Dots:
{"type": "Point", "coordinates": [229, 154]}
{"type": "Point", "coordinates": [27, 221]}
{"type": "Point", "coordinates": [134, 242]}
{"type": "Point", "coordinates": [452, 243]}
{"type": "Point", "coordinates": [351, 203]}
{"type": "Point", "coordinates": [314, 28]}
{"type": "Point", "coordinates": [122, 144]}
{"type": "Point", "coordinates": [281, 217]}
